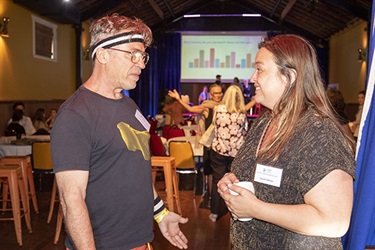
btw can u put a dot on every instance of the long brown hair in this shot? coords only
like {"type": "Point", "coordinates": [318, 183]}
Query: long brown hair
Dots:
{"type": "Point", "coordinates": [294, 53]}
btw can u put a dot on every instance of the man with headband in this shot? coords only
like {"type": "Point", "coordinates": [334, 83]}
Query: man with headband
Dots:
{"type": "Point", "coordinates": [100, 149]}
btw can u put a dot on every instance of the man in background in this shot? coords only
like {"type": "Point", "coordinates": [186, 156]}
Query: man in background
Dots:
{"type": "Point", "coordinates": [203, 95]}
{"type": "Point", "coordinates": [206, 112]}
{"type": "Point", "coordinates": [25, 121]}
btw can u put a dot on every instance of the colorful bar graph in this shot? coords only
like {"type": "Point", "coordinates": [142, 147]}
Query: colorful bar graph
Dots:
{"type": "Point", "coordinates": [228, 62]}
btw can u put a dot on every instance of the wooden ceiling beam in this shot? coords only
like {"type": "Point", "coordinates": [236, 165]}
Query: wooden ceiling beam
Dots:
{"type": "Point", "coordinates": [157, 9]}
{"type": "Point", "coordinates": [351, 7]}
{"type": "Point", "coordinates": [100, 8]}
{"type": "Point", "coordinates": [286, 10]}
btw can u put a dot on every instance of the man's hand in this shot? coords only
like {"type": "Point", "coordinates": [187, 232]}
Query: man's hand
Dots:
{"type": "Point", "coordinates": [171, 231]}
{"type": "Point", "coordinates": [174, 94]}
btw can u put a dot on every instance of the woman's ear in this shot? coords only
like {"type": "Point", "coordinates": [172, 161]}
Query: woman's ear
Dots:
{"type": "Point", "coordinates": [293, 76]}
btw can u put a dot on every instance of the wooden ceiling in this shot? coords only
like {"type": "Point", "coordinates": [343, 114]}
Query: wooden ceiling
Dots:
{"type": "Point", "coordinates": [315, 19]}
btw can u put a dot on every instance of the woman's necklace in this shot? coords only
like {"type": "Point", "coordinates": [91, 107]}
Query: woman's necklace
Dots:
{"type": "Point", "coordinates": [263, 136]}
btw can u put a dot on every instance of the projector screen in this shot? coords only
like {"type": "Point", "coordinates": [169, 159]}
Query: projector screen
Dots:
{"type": "Point", "coordinates": [229, 54]}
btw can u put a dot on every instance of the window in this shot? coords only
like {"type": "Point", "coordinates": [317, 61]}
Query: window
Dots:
{"type": "Point", "coordinates": [44, 39]}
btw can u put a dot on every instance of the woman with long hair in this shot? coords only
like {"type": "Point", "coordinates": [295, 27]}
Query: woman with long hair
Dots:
{"type": "Point", "coordinates": [298, 157]}
{"type": "Point", "coordinates": [39, 122]}
{"type": "Point", "coordinates": [230, 122]}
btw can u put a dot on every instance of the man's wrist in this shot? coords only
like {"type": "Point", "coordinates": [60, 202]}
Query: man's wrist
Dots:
{"type": "Point", "coordinates": [160, 211]}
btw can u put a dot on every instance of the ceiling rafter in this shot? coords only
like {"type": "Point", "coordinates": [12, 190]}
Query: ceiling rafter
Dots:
{"type": "Point", "coordinates": [314, 19]}
{"type": "Point", "coordinates": [157, 9]}
{"type": "Point", "coordinates": [170, 9]}
{"type": "Point", "coordinates": [103, 7]}
{"type": "Point", "coordinates": [286, 10]}
{"type": "Point", "coordinates": [351, 7]}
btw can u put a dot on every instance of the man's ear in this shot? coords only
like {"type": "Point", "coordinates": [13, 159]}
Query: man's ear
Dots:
{"type": "Point", "coordinates": [102, 55]}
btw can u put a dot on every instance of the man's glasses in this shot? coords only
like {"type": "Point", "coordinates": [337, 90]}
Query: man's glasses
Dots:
{"type": "Point", "coordinates": [136, 55]}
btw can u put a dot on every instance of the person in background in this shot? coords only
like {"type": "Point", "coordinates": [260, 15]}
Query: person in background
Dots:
{"type": "Point", "coordinates": [15, 128]}
{"type": "Point", "coordinates": [100, 149]}
{"type": "Point", "coordinates": [236, 82]}
{"type": "Point", "coordinates": [25, 121]}
{"type": "Point", "coordinates": [221, 84]}
{"type": "Point", "coordinates": [230, 122]}
{"type": "Point", "coordinates": [338, 103]}
{"type": "Point", "coordinates": [176, 110]}
{"type": "Point", "coordinates": [355, 124]}
{"type": "Point", "coordinates": [205, 111]}
{"type": "Point", "coordinates": [203, 96]}
{"type": "Point", "coordinates": [298, 157]}
{"type": "Point", "coordinates": [218, 79]}
{"type": "Point", "coordinates": [246, 91]}
{"type": "Point", "coordinates": [51, 118]}
{"type": "Point", "coordinates": [39, 123]}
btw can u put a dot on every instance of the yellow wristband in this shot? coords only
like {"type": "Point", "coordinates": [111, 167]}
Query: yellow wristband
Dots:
{"type": "Point", "coordinates": [159, 217]}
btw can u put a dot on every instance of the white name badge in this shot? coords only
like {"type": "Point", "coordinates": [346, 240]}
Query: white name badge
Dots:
{"type": "Point", "coordinates": [142, 120]}
{"type": "Point", "coordinates": [268, 175]}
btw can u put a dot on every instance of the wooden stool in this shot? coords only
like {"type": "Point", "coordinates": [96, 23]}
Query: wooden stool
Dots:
{"type": "Point", "coordinates": [54, 199]}
{"type": "Point", "coordinates": [27, 172]}
{"type": "Point", "coordinates": [58, 224]}
{"type": "Point", "coordinates": [13, 174]}
{"type": "Point", "coordinates": [170, 176]}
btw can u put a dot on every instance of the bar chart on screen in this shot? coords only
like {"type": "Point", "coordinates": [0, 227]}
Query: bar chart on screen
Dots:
{"type": "Point", "coordinates": [229, 61]}
{"type": "Point", "coordinates": [228, 54]}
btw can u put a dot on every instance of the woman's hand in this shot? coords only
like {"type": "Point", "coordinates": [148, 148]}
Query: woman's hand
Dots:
{"type": "Point", "coordinates": [239, 204]}
{"type": "Point", "coordinates": [225, 182]}
{"type": "Point", "coordinates": [242, 204]}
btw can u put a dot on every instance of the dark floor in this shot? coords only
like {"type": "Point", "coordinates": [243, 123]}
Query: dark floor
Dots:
{"type": "Point", "coordinates": [200, 231]}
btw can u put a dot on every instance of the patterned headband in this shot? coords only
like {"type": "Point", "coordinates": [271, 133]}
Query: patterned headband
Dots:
{"type": "Point", "coordinates": [111, 41]}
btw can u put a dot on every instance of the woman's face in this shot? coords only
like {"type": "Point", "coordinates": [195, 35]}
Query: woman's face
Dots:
{"type": "Point", "coordinates": [361, 99]}
{"type": "Point", "coordinates": [269, 84]}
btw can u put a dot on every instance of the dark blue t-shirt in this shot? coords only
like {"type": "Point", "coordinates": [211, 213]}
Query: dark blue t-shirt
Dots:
{"type": "Point", "coordinates": [103, 136]}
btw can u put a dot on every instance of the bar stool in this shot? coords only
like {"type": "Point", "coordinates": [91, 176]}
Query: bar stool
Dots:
{"type": "Point", "coordinates": [171, 181]}
{"type": "Point", "coordinates": [27, 172]}
{"type": "Point", "coordinates": [54, 199]}
{"type": "Point", "coordinates": [58, 224]}
{"type": "Point", "coordinates": [14, 179]}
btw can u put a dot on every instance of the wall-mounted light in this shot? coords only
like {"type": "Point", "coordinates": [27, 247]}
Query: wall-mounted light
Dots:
{"type": "Point", "coordinates": [361, 55]}
{"type": "Point", "coordinates": [4, 27]}
{"type": "Point", "coordinates": [86, 54]}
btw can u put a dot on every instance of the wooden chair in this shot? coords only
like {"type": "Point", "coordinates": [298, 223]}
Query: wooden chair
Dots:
{"type": "Point", "coordinates": [184, 158]}
{"type": "Point", "coordinates": [42, 160]}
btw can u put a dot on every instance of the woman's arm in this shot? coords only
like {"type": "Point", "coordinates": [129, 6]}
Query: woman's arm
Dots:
{"type": "Point", "coordinates": [326, 211]}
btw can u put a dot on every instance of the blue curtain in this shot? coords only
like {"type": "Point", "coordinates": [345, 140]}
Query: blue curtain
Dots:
{"type": "Point", "coordinates": [161, 74]}
{"type": "Point", "coordinates": [362, 226]}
